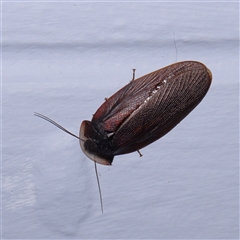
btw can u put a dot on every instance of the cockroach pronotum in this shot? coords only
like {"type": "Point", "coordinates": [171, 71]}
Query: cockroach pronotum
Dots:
{"type": "Point", "coordinates": [143, 111]}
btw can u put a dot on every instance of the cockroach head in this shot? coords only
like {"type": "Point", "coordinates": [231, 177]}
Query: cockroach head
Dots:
{"type": "Point", "coordinates": [95, 143]}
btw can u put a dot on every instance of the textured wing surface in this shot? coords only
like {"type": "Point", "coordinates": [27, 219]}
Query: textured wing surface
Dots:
{"type": "Point", "coordinates": [123, 103]}
{"type": "Point", "coordinates": [174, 96]}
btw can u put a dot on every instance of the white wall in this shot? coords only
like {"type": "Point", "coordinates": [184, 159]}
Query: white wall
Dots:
{"type": "Point", "coordinates": [62, 59]}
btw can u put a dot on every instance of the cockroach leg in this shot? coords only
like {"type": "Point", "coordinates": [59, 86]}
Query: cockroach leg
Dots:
{"type": "Point", "coordinates": [139, 153]}
{"type": "Point", "coordinates": [134, 69]}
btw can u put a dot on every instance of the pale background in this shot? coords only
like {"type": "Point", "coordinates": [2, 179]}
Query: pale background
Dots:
{"type": "Point", "coordinates": [62, 59]}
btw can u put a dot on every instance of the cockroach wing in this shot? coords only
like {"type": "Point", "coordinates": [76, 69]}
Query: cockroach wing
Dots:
{"type": "Point", "coordinates": [169, 101]}
{"type": "Point", "coordinates": [111, 114]}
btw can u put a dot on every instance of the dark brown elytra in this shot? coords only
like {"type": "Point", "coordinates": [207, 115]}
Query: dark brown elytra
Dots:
{"type": "Point", "coordinates": [144, 110]}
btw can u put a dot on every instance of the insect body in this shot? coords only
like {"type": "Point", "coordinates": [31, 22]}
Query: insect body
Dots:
{"type": "Point", "coordinates": [144, 110]}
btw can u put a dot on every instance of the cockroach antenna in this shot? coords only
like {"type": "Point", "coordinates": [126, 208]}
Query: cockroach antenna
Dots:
{"type": "Point", "coordinates": [175, 45]}
{"type": "Point", "coordinates": [65, 130]}
{"type": "Point", "coordinates": [99, 188]}
{"type": "Point", "coordinates": [56, 124]}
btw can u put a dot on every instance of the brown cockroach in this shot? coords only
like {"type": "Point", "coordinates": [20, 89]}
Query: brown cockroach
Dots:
{"type": "Point", "coordinates": [143, 111]}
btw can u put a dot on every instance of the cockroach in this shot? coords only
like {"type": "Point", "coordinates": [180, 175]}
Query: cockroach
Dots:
{"type": "Point", "coordinates": [143, 111]}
